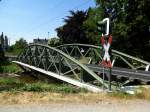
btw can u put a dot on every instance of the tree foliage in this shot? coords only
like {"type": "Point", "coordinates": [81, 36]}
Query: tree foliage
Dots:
{"type": "Point", "coordinates": [130, 21]}
{"type": "Point", "coordinates": [54, 42]}
{"type": "Point", "coordinates": [93, 16]}
{"type": "Point", "coordinates": [72, 31]}
{"type": "Point", "coordinates": [2, 55]}
{"type": "Point", "coordinates": [18, 46]}
{"type": "Point", "coordinates": [130, 26]}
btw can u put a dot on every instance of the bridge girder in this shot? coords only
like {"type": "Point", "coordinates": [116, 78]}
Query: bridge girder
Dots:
{"type": "Point", "coordinates": [69, 61]}
{"type": "Point", "coordinates": [54, 60]}
{"type": "Point", "coordinates": [94, 54]}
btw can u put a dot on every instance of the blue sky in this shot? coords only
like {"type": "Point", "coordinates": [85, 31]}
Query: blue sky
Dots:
{"type": "Point", "coordinates": [35, 18]}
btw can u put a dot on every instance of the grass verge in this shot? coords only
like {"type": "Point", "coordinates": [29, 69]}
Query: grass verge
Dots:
{"type": "Point", "coordinates": [16, 91]}
{"type": "Point", "coordinates": [140, 93]}
{"type": "Point", "coordinates": [9, 68]}
{"type": "Point", "coordinates": [12, 84]}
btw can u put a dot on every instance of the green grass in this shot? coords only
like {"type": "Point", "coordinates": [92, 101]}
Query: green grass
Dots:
{"type": "Point", "coordinates": [13, 84]}
{"type": "Point", "coordinates": [16, 84]}
{"type": "Point", "coordinates": [120, 95]}
{"type": "Point", "coordinates": [9, 68]}
{"type": "Point", "coordinates": [14, 52]}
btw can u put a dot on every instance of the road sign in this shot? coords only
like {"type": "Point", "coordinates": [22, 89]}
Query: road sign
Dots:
{"type": "Point", "coordinates": [106, 46]}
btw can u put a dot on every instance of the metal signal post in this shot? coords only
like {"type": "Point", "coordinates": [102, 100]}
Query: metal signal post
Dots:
{"type": "Point", "coordinates": [106, 40]}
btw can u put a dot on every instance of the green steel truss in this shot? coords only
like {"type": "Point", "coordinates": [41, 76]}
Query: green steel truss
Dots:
{"type": "Point", "coordinates": [91, 54]}
{"type": "Point", "coordinates": [54, 60]}
{"type": "Point", "coordinates": [69, 61]}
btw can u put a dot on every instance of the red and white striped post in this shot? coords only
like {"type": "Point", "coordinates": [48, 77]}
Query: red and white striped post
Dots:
{"type": "Point", "coordinates": [106, 41]}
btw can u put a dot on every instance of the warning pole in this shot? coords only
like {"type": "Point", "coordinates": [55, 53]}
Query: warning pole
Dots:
{"type": "Point", "coordinates": [106, 41]}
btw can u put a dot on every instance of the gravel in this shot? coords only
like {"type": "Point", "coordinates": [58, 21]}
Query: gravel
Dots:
{"type": "Point", "coordinates": [132, 106]}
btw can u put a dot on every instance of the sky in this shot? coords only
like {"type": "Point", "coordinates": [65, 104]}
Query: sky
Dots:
{"type": "Point", "coordinates": [31, 19]}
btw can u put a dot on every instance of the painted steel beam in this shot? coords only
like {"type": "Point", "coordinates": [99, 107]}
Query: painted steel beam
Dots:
{"type": "Point", "coordinates": [75, 61]}
{"type": "Point", "coordinates": [63, 78]}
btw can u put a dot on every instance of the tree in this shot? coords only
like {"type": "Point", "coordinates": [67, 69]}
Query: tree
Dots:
{"type": "Point", "coordinates": [90, 27]}
{"type": "Point", "coordinates": [2, 55]}
{"type": "Point", "coordinates": [130, 21]}
{"type": "Point", "coordinates": [72, 31]}
{"type": "Point", "coordinates": [104, 8]}
{"type": "Point", "coordinates": [131, 29]}
{"type": "Point", "coordinates": [20, 44]}
{"type": "Point", "coordinates": [54, 42]}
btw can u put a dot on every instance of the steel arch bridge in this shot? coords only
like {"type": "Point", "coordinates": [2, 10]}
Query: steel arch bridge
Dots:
{"type": "Point", "coordinates": [77, 64]}
{"type": "Point", "coordinates": [94, 53]}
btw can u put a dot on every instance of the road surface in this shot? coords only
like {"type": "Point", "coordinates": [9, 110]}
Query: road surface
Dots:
{"type": "Point", "coordinates": [102, 106]}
